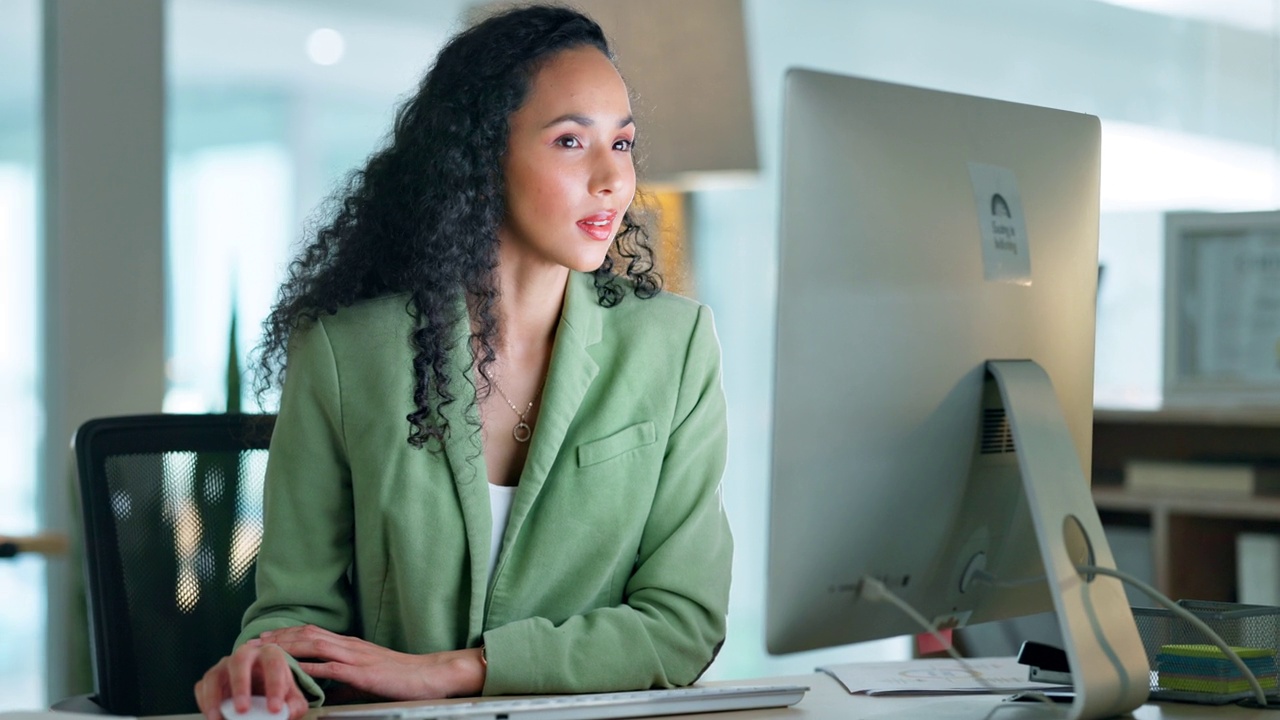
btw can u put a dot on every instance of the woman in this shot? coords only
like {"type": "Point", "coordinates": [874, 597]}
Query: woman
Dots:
{"type": "Point", "coordinates": [548, 519]}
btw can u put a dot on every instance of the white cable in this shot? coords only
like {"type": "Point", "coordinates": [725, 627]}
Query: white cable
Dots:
{"type": "Point", "coordinates": [875, 591]}
{"type": "Point", "coordinates": [1186, 615]}
{"type": "Point", "coordinates": [1160, 598]}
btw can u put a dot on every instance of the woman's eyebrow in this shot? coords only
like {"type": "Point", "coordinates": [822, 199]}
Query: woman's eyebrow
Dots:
{"type": "Point", "coordinates": [585, 121]}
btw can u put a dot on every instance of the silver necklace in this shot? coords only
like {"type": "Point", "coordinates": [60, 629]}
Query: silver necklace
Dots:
{"type": "Point", "coordinates": [521, 432]}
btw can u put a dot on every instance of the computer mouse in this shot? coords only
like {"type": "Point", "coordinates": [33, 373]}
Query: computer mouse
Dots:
{"type": "Point", "coordinates": [257, 710]}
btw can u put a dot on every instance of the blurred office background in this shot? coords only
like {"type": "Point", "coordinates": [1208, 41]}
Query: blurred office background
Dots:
{"type": "Point", "coordinates": [270, 102]}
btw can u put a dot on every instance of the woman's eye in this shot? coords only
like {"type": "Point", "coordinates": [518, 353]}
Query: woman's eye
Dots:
{"type": "Point", "coordinates": [569, 141]}
{"type": "Point", "coordinates": [624, 145]}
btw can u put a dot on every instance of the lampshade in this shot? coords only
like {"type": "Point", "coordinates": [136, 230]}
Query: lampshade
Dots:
{"type": "Point", "coordinates": [685, 62]}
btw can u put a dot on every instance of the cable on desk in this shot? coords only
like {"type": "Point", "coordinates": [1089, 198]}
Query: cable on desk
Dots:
{"type": "Point", "coordinates": [875, 591]}
{"type": "Point", "coordinates": [1159, 597]}
{"type": "Point", "coordinates": [1188, 616]}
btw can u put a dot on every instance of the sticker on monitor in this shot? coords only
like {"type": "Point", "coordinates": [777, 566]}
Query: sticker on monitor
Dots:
{"type": "Point", "coordinates": [1005, 251]}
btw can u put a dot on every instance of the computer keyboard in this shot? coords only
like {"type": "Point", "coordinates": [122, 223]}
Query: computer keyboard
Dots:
{"type": "Point", "coordinates": [595, 706]}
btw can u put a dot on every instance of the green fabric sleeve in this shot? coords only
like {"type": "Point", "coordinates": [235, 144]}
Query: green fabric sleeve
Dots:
{"type": "Point", "coordinates": [302, 574]}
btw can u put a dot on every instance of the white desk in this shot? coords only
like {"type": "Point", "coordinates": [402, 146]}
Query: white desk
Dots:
{"type": "Point", "coordinates": [828, 700]}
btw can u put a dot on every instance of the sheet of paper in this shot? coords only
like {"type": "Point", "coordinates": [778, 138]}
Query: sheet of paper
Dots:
{"type": "Point", "coordinates": [934, 677]}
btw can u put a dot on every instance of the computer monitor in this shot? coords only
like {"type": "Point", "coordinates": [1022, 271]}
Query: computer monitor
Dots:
{"type": "Point", "coordinates": [934, 374]}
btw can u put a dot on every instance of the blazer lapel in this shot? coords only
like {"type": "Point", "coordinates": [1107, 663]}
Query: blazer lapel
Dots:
{"type": "Point", "coordinates": [465, 453]}
{"type": "Point", "coordinates": [571, 372]}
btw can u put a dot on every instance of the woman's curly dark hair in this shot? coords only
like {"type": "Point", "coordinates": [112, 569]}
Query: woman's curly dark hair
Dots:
{"type": "Point", "coordinates": [422, 216]}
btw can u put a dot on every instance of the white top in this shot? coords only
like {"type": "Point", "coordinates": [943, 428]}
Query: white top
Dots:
{"type": "Point", "coordinates": [500, 498]}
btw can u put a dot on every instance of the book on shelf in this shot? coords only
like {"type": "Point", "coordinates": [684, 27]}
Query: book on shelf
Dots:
{"type": "Point", "coordinates": [1239, 479]}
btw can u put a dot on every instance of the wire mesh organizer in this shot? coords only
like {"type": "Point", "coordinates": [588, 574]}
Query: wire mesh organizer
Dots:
{"type": "Point", "coordinates": [1193, 670]}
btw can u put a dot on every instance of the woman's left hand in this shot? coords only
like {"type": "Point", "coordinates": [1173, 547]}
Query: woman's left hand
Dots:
{"type": "Point", "coordinates": [376, 671]}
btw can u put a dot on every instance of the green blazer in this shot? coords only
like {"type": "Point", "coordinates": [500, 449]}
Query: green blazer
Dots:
{"type": "Point", "coordinates": [614, 569]}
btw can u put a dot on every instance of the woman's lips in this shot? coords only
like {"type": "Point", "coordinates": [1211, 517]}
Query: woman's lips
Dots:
{"type": "Point", "coordinates": [599, 225]}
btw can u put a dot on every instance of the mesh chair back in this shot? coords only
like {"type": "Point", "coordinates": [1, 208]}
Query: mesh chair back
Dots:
{"type": "Point", "coordinates": [172, 508]}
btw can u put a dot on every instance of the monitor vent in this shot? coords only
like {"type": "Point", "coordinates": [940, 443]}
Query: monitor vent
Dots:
{"type": "Point", "coordinates": [997, 434]}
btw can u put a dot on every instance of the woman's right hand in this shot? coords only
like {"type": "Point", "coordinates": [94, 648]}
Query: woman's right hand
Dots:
{"type": "Point", "coordinates": [253, 669]}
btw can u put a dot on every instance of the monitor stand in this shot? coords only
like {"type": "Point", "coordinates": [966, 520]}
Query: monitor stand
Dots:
{"type": "Point", "coordinates": [1109, 667]}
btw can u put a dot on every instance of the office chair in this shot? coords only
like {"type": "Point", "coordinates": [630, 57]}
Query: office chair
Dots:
{"type": "Point", "coordinates": [172, 510]}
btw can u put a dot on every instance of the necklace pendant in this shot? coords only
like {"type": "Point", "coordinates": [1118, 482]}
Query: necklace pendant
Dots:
{"type": "Point", "coordinates": [522, 432]}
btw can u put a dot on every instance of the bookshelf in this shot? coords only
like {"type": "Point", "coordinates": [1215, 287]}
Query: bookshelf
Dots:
{"type": "Point", "coordinates": [1193, 538]}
